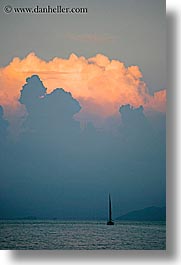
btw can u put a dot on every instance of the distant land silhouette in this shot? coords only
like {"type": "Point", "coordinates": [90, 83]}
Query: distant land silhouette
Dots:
{"type": "Point", "coordinates": [147, 214]}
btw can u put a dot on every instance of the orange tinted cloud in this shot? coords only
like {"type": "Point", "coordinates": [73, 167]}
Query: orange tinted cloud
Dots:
{"type": "Point", "coordinates": [100, 85]}
{"type": "Point", "coordinates": [157, 102]}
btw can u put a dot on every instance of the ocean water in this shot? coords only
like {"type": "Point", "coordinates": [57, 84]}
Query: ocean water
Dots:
{"type": "Point", "coordinates": [79, 235]}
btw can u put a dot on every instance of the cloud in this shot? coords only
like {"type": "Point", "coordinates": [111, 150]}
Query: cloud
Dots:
{"type": "Point", "coordinates": [94, 38]}
{"type": "Point", "coordinates": [99, 84]}
{"type": "Point", "coordinates": [49, 115]}
{"type": "Point", "coordinates": [157, 102]}
{"type": "Point", "coordinates": [55, 168]}
{"type": "Point", "coordinates": [3, 127]}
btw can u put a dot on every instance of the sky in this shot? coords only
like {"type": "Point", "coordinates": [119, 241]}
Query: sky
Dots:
{"type": "Point", "coordinates": [135, 34]}
{"type": "Point", "coordinates": [83, 101]}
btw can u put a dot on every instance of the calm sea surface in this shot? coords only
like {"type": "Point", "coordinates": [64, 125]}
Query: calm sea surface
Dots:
{"type": "Point", "coordinates": [82, 235]}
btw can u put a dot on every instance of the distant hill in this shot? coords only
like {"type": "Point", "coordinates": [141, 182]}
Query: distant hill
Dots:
{"type": "Point", "coordinates": [146, 214]}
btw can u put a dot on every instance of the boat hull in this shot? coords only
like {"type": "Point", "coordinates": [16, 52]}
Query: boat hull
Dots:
{"type": "Point", "coordinates": [110, 223]}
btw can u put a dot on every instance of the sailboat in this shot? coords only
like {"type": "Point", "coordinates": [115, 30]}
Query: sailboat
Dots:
{"type": "Point", "coordinates": [110, 222]}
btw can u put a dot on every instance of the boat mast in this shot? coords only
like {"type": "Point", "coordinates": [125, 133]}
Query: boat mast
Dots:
{"type": "Point", "coordinates": [110, 211]}
{"type": "Point", "coordinates": [110, 222]}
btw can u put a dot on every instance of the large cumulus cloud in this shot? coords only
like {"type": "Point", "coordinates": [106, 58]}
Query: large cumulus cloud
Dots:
{"type": "Point", "coordinates": [100, 85]}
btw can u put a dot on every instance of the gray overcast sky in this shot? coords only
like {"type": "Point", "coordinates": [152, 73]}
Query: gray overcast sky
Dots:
{"type": "Point", "coordinates": [132, 31]}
